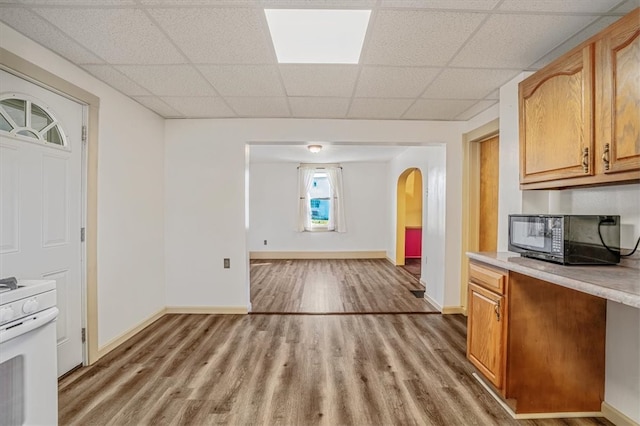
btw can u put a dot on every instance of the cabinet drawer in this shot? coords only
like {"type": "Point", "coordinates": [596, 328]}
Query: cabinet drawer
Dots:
{"type": "Point", "coordinates": [488, 278]}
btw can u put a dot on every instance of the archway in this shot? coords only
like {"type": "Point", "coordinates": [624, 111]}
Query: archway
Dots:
{"type": "Point", "coordinates": [409, 217]}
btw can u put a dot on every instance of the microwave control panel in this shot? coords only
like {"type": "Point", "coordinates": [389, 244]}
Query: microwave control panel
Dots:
{"type": "Point", "coordinates": [557, 236]}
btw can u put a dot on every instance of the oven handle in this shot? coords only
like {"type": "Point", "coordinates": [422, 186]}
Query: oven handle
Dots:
{"type": "Point", "coordinates": [28, 324]}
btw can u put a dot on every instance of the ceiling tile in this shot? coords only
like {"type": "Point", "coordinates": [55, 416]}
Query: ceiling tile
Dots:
{"type": "Point", "coordinates": [517, 41]}
{"type": "Point", "coordinates": [78, 2]}
{"type": "Point", "coordinates": [442, 4]}
{"type": "Point", "coordinates": [156, 104]}
{"type": "Point", "coordinates": [555, 6]}
{"type": "Point", "coordinates": [116, 79]}
{"type": "Point", "coordinates": [572, 42]}
{"type": "Point", "coordinates": [319, 107]}
{"type": "Point", "coordinates": [119, 36]}
{"type": "Point", "coordinates": [321, 4]}
{"type": "Point", "coordinates": [429, 109]}
{"type": "Point", "coordinates": [244, 80]}
{"type": "Point", "coordinates": [475, 110]}
{"type": "Point", "coordinates": [467, 83]}
{"type": "Point", "coordinates": [495, 95]}
{"type": "Point", "coordinates": [372, 108]}
{"type": "Point", "coordinates": [319, 80]}
{"type": "Point", "coordinates": [418, 38]}
{"type": "Point", "coordinates": [397, 82]}
{"type": "Point", "coordinates": [216, 3]}
{"type": "Point", "coordinates": [627, 6]}
{"type": "Point", "coordinates": [41, 31]}
{"type": "Point", "coordinates": [174, 80]}
{"type": "Point", "coordinates": [197, 106]}
{"type": "Point", "coordinates": [260, 107]}
{"type": "Point", "coordinates": [218, 35]}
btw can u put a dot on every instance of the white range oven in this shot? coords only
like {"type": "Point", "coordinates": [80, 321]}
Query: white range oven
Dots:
{"type": "Point", "coordinates": [28, 354]}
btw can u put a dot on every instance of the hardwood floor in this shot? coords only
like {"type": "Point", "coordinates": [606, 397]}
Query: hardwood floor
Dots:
{"type": "Point", "coordinates": [413, 266]}
{"type": "Point", "coordinates": [334, 286]}
{"type": "Point", "coordinates": [288, 370]}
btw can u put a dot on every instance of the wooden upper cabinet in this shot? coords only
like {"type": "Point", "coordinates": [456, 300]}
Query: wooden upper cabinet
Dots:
{"type": "Point", "coordinates": [556, 110]}
{"type": "Point", "coordinates": [580, 115]}
{"type": "Point", "coordinates": [618, 103]}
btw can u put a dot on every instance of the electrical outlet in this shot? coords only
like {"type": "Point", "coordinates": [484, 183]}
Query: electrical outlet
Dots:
{"type": "Point", "coordinates": [607, 220]}
{"type": "Point", "coordinates": [227, 263]}
{"type": "Point", "coordinates": [265, 242]}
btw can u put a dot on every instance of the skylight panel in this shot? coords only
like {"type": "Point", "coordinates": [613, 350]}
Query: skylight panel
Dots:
{"type": "Point", "coordinates": [317, 36]}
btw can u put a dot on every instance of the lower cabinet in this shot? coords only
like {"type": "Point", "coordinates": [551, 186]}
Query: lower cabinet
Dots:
{"type": "Point", "coordinates": [486, 333]}
{"type": "Point", "coordinates": [539, 345]}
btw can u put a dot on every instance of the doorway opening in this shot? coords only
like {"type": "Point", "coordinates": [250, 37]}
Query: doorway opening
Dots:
{"type": "Point", "coordinates": [409, 221]}
{"type": "Point", "coordinates": [479, 196]}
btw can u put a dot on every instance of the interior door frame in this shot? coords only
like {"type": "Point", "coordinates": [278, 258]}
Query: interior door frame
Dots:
{"type": "Point", "coordinates": [37, 75]}
{"type": "Point", "coordinates": [471, 198]}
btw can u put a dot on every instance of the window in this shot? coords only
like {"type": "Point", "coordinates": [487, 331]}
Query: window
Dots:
{"type": "Point", "coordinates": [21, 117]}
{"type": "Point", "coordinates": [320, 201]}
{"type": "Point", "coordinates": [320, 198]}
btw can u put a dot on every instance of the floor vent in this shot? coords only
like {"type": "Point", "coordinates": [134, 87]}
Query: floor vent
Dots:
{"type": "Point", "coordinates": [418, 293]}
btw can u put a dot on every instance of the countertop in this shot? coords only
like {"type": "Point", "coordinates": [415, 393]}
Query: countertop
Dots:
{"type": "Point", "coordinates": [617, 283]}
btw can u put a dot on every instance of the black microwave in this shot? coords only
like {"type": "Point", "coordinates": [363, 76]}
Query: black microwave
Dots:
{"type": "Point", "coordinates": [566, 239]}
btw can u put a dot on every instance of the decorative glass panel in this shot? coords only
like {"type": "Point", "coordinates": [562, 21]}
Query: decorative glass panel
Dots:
{"type": "Point", "coordinates": [4, 124]}
{"type": "Point", "coordinates": [39, 118]}
{"type": "Point", "coordinates": [16, 110]}
{"type": "Point", "coordinates": [54, 136]}
{"type": "Point", "coordinates": [42, 126]}
{"type": "Point", "coordinates": [28, 133]}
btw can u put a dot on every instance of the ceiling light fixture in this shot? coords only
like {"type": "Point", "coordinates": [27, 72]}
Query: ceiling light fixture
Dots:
{"type": "Point", "coordinates": [315, 148]}
{"type": "Point", "coordinates": [317, 36]}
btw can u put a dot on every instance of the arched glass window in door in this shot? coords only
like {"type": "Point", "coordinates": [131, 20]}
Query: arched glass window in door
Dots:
{"type": "Point", "coordinates": [22, 117]}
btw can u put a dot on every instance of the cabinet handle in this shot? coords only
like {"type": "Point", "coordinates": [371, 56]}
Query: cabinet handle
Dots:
{"type": "Point", "coordinates": [605, 156]}
{"type": "Point", "coordinates": [496, 309]}
{"type": "Point", "coordinates": [585, 159]}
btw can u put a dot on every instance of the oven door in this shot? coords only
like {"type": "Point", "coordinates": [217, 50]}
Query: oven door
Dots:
{"type": "Point", "coordinates": [28, 370]}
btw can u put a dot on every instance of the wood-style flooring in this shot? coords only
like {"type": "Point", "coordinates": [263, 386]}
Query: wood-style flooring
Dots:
{"type": "Point", "coordinates": [288, 370]}
{"type": "Point", "coordinates": [334, 286]}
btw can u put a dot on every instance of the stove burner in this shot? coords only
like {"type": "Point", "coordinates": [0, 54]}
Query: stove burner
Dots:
{"type": "Point", "coordinates": [10, 283]}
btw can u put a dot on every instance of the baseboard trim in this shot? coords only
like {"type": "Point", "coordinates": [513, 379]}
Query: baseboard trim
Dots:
{"type": "Point", "coordinates": [526, 416]}
{"type": "Point", "coordinates": [114, 343]}
{"type": "Point", "coordinates": [207, 310]}
{"type": "Point", "coordinates": [615, 416]}
{"type": "Point", "coordinates": [430, 300]}
{"type": "Point", "coordinates": [372, 254]}
{"type": "Point", "coordinates": [446, 310]}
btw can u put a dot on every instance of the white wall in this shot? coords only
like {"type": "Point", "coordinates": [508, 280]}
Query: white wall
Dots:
{"type": "Point", "coordinates": [205, 203]}
{"type": "Point", "coordinates": [623, 200]}
{"type": "Point", "coordinates": [130, 196]}
{"type": "Point", "coordinates": [440, 273]}
{"type": "Point", "coordinates": [509, 196]}
{"type": "Point", "coordinates": [274, 210]}
{"type": "Point", "coordinates": [205, 222]}
{"type": "Point", "coordinates": [623, 324]}
{"type": "Point", "coordinates": [622, 385]}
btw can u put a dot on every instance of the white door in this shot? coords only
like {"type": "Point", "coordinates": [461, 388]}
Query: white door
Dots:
{"type": "Point", "coordinates": [40, 192]}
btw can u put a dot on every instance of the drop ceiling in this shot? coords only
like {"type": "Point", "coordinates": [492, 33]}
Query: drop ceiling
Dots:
{"type": "Point", "coordinates": [421, 60]}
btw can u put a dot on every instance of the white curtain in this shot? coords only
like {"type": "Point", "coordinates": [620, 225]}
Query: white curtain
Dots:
{"type": "Point", "coordinates": [337, 220]}
{"type": "Point", "coordinates": [305, 182]}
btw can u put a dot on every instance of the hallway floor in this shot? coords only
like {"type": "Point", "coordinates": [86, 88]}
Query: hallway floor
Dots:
{"type": "Point", "coordinates": [334, 286]}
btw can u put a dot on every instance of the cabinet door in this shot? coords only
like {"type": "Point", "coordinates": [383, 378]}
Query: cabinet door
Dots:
{"type": "Point", "coordinates": [486, 333]}
{"type": "Point", "coordinates": [618, 103]}
{"type": "Point", "coordinates": [556, 116]}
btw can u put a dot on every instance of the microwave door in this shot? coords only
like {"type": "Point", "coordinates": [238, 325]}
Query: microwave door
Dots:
{"type": "Point", "coordinates": [530, 234]}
